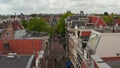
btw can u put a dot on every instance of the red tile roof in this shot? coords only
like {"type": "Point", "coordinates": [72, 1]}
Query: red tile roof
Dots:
{"type": "Point", "coordinates": [86, 33]}
{"type": "Point", "coordinates": [117, 21]}
{"type": "Point", "coordinates": [17, 25]}
{"type": "Point", "coordinates": [96, 20]}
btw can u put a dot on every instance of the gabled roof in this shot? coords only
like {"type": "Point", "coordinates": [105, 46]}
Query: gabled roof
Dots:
{"type": "Point", "coordinates": [117, 21]}
{"type": "Point", "coordinates": [16, 25]}
{"type": "Point", "coordinates": [96, 20]}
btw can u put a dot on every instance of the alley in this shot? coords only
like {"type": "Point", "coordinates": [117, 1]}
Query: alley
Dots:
{"type": "Point", "coordinates": [55, 58]}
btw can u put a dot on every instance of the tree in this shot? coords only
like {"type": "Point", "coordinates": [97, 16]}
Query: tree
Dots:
{"type": "Point", "coordinates": [39, 24]}
{"type": "Point", "coordinates": [106, 13]}
{"type": "Point", "coordinates": [109, 19]}
{"type": "Point", "coordinates": [112, 16]}
{"type": "Point", "coordinates": [60, 27]}
{"type": "Point", "coordinates": [33, 15]}
{"type": "Point", "coordinates": [24, 23]}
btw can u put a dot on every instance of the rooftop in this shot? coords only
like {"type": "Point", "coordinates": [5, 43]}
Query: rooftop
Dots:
{"type": "Point", "coordinates": [17, 62]}
{"type": "Point", "coordinates": [108, 29]}
{"type": "Point", "coordinates": [114, 63]}
{"type": "Point", "coordinates": [104, 44]}
{"type": "Point", "coordinates": [75, 17]}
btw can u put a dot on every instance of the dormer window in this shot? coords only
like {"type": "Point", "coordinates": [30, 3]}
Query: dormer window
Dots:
{"type": "Point", "coordinates": [93, 40]}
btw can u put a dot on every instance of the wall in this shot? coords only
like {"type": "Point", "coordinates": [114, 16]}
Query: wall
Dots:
{"type": "Point", "coordinates": [19, 34]}
{"type": "Point", "coordinates": [22, 46]}
{"type": "Point", "coordinates": [9, 30]}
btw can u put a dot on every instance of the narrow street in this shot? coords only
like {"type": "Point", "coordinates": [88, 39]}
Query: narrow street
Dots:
{"type": "Point", "coordinates": [57, 53]}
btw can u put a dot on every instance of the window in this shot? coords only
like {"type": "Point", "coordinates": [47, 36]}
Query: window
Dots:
{"type": "Point", "coordinates": [93, 40]}
{"type": "Point", "coordinates": [7, 33]}
{"type": "Point", "coordinates": [6, 46]}
{"type": "Point", "coordinates": [78, 34]}
{"type": "Point", "coordinates": [79, 58]}
{"type": "Point", "coordinates": [73, 34]}
{"type": "Point", "coordinates": [86, 54]}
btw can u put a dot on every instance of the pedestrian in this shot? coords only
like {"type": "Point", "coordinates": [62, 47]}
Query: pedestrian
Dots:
{"type": "Point", "coordinates": [55, 60]}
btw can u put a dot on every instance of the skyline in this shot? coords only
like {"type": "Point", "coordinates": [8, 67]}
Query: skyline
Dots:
{"type": "Point", "coordinates": [58, 6]}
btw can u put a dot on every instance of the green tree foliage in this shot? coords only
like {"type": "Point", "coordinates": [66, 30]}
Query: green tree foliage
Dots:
{"type": "Point", "coordinates": [109, 19]}
{"type": "Point", "coordinates": [24, 23]}
{"type": "Point", "coordinates": [33, 15]}
{"type": "Point", "coordinates": [60, 27]}
{"type": "Point", "coordinates": [39, 24]}
{"type": "Point", "coordinates": [106, 13]}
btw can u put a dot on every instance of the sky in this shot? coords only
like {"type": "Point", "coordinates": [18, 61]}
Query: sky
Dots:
{"type": "Point", "coordinates": [58, 6]}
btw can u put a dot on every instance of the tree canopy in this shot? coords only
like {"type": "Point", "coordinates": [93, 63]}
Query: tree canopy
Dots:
{"type": "Point", "coordinates": [106, 13]}
{"type": "Point", "coordinates": [109, 18]}
{"type": "Point", "coordinates": [60, 27]}
{"type": "Point", "coordinates": [24, 23]}
{"type": "Point", "coordinates": [37, 24]}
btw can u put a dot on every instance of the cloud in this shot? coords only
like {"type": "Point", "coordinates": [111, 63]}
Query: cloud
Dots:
{"type": "Point", "coordinates": [6, 1]}
{"type": "Point", "coordinates": [58, 6]}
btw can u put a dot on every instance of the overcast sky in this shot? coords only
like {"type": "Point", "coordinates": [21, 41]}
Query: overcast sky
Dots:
{"type": "Point", "coordinates": [58, 6]}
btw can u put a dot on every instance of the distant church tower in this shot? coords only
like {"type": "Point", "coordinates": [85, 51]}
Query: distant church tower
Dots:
{"type": "Point", "coordinates": [81, 13]}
